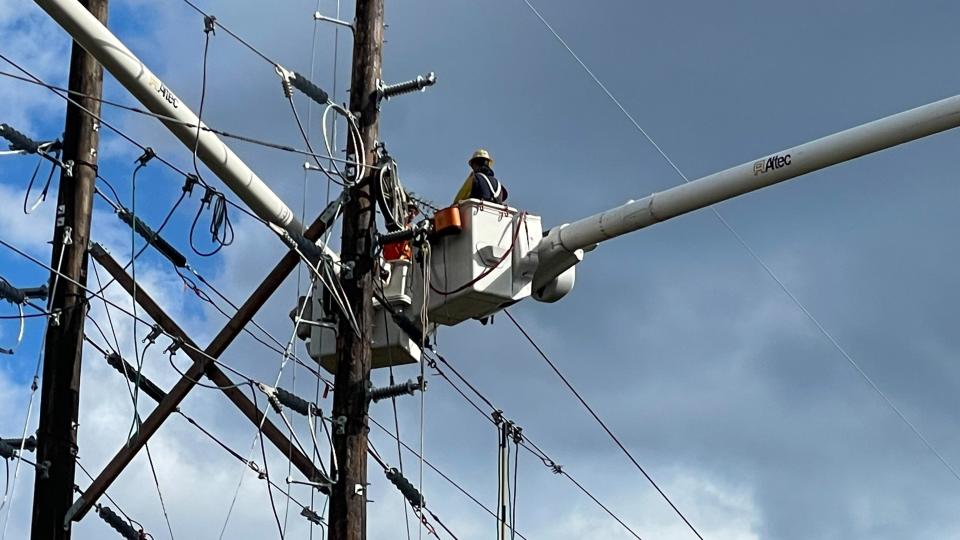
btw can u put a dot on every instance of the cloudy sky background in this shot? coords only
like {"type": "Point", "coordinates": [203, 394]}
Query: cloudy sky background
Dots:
{"type": "Point", "coordinates": [748, 418]}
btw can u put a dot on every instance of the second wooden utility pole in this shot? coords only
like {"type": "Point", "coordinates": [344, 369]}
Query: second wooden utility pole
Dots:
{"type": "Point", "coordinates": [348, 499]}
{"type": "Point", "coordinates": [60, 390]}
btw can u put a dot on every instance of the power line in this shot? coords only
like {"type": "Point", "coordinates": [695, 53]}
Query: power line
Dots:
{"type": "Point", "coordinates": [755, 256]}
{"type": "Point", "coordinates": [119, 132]}
{"type": "Point", "coordinates": [603, 425]}
{"type": "Point", "coordinates": [527, 443]}
{"type": "Point", "coordinates": [231, 33]}
{"type": "Point", "coordinates": [443, 475]}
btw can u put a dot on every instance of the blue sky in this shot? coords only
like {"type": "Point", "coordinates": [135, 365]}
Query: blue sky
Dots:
{"type": "Point", "coordinates": [713, 378]}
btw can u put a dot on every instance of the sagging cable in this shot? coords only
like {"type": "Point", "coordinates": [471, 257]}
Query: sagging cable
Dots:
{"type": "Point", "coordinates": [407, 489]}
{"type": "Point", "coordinates": [395, 390]}
{"type": "Point", "coordinates": [119, 524]}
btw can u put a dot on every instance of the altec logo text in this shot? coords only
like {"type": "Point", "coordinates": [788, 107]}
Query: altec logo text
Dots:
{"type": "Point", "coordinates": [771, 163]}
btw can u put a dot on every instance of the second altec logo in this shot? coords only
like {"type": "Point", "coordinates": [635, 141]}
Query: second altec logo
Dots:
{"type": "Point", "coordinates": [771, 163]}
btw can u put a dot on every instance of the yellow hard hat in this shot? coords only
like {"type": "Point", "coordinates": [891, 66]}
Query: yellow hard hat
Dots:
{"type": "Point", "coordinates": [480, 154]}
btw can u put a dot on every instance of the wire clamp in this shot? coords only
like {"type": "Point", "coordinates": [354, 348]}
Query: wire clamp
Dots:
{"type": "Point", "coordinates": [148, 154]}
{"type": "Point", "coordinates": [189, 182]}
{"type": "Point", "coordinates": [341, 423]}
{"type": "Point", "coordinates": [311, 516]}
{"type": "Point", "coordinates": [286, 80]}
{"type": "Point", "coordinates": [151, 338]}
{"type": "Point", "coordinates": [174, 346]}
{"type": "Point", "coordinates": [209, 24]}
{"type": "Point", "coordinates": [497, 416]}
{"type": "Point", "coordinates": [67, 168]}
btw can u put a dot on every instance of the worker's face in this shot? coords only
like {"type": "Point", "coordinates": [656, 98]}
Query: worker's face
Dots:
{"type": "Point", "coordinates": [479, 163]}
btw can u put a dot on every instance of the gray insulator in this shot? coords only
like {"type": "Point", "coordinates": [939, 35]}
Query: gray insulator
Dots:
{"type": "Point", "coordinates": [415, 85]}
{"type": "Point", "coordinates": [146, 385]}
{"type": "Point", "coordinates": [312, 91]}
{"type": "Point", "coordinates": [294, 402]}
{"type": "Point", "coordinates": [406, 488]}
{"type": "Point", "coordinates": [310, 250]}
{"type": "Point", "coordinates": [18, 141]}
{"type": "Point", "coordinates": [10, 293]}
{"type": "Point", "coordinates": [119, 524]}
{"type": "Point", "coordinates": [405, 388]}
{"type": "Point", "coordinates": [29, 444]}
{"type": "Point", "coordinates": [36, 292]}
{"type": "Point", "coordinates": [153, 238]}
{"type": "Point", "coordinates": [7, 451]}
{"type": "Point", "coordinates": [396, 236]}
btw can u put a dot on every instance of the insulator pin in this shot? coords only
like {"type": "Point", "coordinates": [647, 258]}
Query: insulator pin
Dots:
{"type": "Point", "coordinates": [18, 141]}
{"type": "Point", "coordinates": [119, 524]}
{"type": "Point", "coordinates": [153, 238]}
{"type": "Point", "coordinates": [406, 388]}
{"type": "Point", "coordinates": [406, 488]}
{"type": "Point", "coordinates": [415, 85]}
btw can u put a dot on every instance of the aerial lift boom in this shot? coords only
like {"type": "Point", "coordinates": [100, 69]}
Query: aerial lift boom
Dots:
{"type": "Point", "coordinates": [157, 97]}
{"type": "Point", "coordinates": [558, 250]}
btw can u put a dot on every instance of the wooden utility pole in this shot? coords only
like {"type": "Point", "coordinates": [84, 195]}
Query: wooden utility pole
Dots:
{"type": "Point", "coordinates": [348, 499]}
{"type": "Point", "coordinates": [60, 390]}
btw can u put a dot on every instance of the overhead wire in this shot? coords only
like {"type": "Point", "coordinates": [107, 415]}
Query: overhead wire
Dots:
{"type": "Point", "coordinates": [526, 443]}
{"type": "Point", "coordinates": [170, 119]}
{"type": "Point", "coordinates": [756, 257]}
{"type": "Point", "coordinates": [603, 424]}
{"type": "Point", "coordinates": [34, 386]}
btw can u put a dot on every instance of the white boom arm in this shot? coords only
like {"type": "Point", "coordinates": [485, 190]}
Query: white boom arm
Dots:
{"type": "Point", "coordinates": [562, 247]}
{"type": "Point", "coordinates": [97, 40]}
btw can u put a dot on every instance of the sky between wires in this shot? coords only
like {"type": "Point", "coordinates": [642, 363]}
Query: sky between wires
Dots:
{"type": "Point", "coordinates": [720, 388]}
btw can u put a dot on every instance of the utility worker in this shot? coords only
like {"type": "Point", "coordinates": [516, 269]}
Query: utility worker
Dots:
{"type": "Point", "coordinates": [481, 183]}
